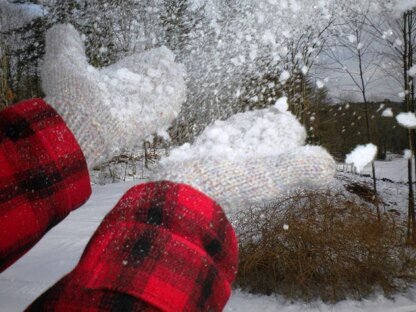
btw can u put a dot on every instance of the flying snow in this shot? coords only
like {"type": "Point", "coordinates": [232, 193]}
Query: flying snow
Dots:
{"type": "Point", "coordinates": [407, 120]}
{"type": "Point", "coordinates": [284, 76]}
{"type": "Point", "coordinates": [412, 71]}
{"type": "Point", "coordinates": [145, 84]}
{"type": "Point", "coordinates": [253, 134]}
{"type": "Point", "coordinates": [407, 154]}
{"type": "Point", "coordinates": [387, 112]}
{"type": "Point", "coordinates": [361, 156]}
{"type": "Point", "coordinates": [352, 38]}
{"type": "Point", "coordinates": [281, 104]}
{"type": "Point", "coordinates": [135, 91]}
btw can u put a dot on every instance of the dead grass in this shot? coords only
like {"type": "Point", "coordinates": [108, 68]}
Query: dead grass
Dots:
{"type": "Point", "coordinates": [334, 248]}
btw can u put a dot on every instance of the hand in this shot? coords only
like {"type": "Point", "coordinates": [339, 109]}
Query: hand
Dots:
{"type": "Point", "coordinates": [114, 107]}
{"type": "Point", "coordinates": [251, 158]}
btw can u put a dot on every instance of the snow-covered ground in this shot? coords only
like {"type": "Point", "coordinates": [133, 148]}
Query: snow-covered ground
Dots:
{"type": "Point", "coordinates": [58, 252]}
{"type": "Point", "coordinates": [395, 170]}
{"type": "Point", "coordinates": [391, 182]}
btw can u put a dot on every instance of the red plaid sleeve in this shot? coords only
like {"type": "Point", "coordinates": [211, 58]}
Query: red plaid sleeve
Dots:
{"type": "Point", "coordinates": [43, 176]}
{"type": "Point", "coordinates": [164, 247]}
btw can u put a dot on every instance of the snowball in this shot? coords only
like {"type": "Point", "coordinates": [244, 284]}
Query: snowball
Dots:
{"type": "Point", "coordinates": [387, 112]}
{"type": "Point", "coordinates": [284, 76]}
{"type": "Point", "coordinates": [281, 104]}
{"type": "Point", "coordinates": [359, 46]}
{"type": "Point", "coordinates": [286, 227]}
{"type": "Point", "coordinates": [305, 70]}
{"type": "Point", "coordinates": [361, 156]}
{"type": "Point", "coordinates": [407, 120]}
{"type": "Point", "coordinates": [407, 154]}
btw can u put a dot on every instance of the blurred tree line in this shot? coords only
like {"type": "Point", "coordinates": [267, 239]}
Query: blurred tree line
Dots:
{"type": "Point", "coordinates": [340, 128]}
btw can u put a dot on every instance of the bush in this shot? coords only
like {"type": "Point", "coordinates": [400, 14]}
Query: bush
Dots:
{"type": "Point", "coordinates": [322, 245]}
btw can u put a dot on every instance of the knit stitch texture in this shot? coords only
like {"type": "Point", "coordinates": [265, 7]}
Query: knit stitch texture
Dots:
{"type": "Point", "coordinates": [115, 107]}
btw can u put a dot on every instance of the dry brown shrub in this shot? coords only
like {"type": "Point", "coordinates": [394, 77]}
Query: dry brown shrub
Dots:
{"type": "Point", "coordinates": [333, 249]}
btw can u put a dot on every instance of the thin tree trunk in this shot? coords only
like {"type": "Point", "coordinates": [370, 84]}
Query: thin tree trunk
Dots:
{"type": "Point", "coordinates": [411, 108]}
{"type": "Point", "coordinates": [146, 145]}
{"type": "Point", "coordinates": [406, 61]}
{"type": "Point", "coordinates": [367, 124]}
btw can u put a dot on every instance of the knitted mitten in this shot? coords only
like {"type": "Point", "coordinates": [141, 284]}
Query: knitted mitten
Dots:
{"type": "Point", "coordinates": [251, 158]}
{"type": "Point", "coordinates": [114, 107]}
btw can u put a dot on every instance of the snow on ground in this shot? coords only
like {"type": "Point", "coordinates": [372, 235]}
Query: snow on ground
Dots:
{"type": "Point", "coordinates": [395, 170]}
{"type": "Point", "coordinates": [58, 252]}
{"type": "Point", "coordinates": [391, 182]}
{"type": "Point", "coordinates": [242, 302]}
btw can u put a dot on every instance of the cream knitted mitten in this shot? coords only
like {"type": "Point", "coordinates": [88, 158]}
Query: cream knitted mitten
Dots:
{"type": "Point", "coordinates": [251, 158]}
{"type": "Point", "coordinates": [115, 107]}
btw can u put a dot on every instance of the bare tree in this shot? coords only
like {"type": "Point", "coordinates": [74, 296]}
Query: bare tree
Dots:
{"type": "Point", "coordinates": [400, 52]}
{"type": "Point", "coordinates": [354, 54]}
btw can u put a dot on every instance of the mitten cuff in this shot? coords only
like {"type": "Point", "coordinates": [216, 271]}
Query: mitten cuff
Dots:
{"type": "Point", "coordinates": [43, 176]}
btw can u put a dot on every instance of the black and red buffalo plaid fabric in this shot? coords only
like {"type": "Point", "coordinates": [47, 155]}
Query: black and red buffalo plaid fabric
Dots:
{"type": "Point", "coordinates": [164, 247]}
{"type": "Point", "coordinates": [43, 176]}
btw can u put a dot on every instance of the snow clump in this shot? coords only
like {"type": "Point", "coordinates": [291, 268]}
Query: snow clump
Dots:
{"type": "Point", "coordinates": [284, 76]}
{"type": "Point", "coordinates": [361, 156]}
{"type": "Point", "coordinates": [387, 113]}
{"type": "Point", "coordinates": [252, 134]}
{"type": "Point", "coordinates": [281, 104]}
{"type": "Point", "coordinates": [145, 84]}
{"type": "Point", "coordinates": [412, 71]}
{"type": "Point", "coordinates": [407, 120]}
{"type": "Point", "coordinates": [407, 154]}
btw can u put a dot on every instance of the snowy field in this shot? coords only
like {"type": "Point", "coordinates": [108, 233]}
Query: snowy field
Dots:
{"type": "Point", "coordinates": [395, 170]}
{"type": "Point", "coordinates": [58, 252]}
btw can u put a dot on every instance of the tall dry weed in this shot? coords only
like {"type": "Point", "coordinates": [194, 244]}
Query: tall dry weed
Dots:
{"type": "Point", "coordinates": [322, 245]}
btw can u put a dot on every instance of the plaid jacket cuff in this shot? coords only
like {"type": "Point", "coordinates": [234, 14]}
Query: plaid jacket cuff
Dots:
{"type": "Point", "coordinates": [164, 247]}
{"type": "Point", "coordinates": [43, 176]}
